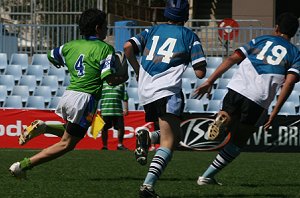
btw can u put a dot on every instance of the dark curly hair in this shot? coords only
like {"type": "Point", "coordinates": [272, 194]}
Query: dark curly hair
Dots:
{"type": "Point", "coordinates": [288, 24]}
{"type": "Point", "coordinates": [89, 19]}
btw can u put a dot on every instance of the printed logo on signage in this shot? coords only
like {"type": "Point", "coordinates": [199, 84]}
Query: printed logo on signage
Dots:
{"type": "Point", "coordinates": [195, 136]}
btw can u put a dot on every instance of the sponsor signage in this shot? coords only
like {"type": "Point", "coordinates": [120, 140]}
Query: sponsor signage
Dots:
{"type": "Point", "coordinates": [283, 136]}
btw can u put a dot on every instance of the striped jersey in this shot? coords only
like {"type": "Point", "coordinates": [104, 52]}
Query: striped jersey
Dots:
{"type": "Point", "coordinates": [88, 61]}
{"type": "Point", "coordinates": [111, 99]}
{"type": "Point", "coordinates": [166, 51]}
{"type": "Point", "coordinates": [262, 72]}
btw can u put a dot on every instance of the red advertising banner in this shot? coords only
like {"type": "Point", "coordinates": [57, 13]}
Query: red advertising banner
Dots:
{"type": "Point", "coordinates": [283, 135]}
{"type": "Point", "coordinates": [13, 121]}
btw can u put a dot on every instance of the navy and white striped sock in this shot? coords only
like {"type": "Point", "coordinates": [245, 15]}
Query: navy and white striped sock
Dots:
{"type": "Point", "coordinates": [225, 156]}
{"type": "Point", "coordinates": [160, 160]}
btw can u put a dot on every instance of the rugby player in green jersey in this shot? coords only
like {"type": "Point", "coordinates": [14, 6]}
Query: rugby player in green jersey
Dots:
{"type": "Point", "coordinates": [90, 61]}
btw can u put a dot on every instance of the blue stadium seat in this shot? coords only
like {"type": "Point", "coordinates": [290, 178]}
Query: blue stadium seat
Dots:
{"type": "Point", "coordinates": [19, 59]}
{"type": "Point", "coordinates": [8, 81]}
{"type": "Point", "coordinates": [222, 83]}
{"type": "Point", "coordinates": [214, 106]}
{"type": "Point", "coordinates": [194, 106]}
{"type": "Point", "coordinates": [213, 62]}
{"type": "Point", "coordinates": [294, 97]}
{"type": "Point", "coordinates": [37, 71]}
{"type": "Point", "coordinates": [54, 102]}
{"type": "Point", "coordinates": [41, 59]}
{"type": "Point", "coordinates": [218, 94]}
{"type": "Point", "coordinates": [3, 62]}
{"type": "Point", "coordinates": [133, 93]}
{"type": "Point", "coordinates": [288, 108]}
{"type": "Point", "coordinates": [229, 73]}
{"type": "Point", "coordinates": [60, 73]}
{"type": "Point", "coordinates": [30, 81]}
{"type": "Point", "coordinates": [52, 82]}
{"type": "Point", "coordinates": [132, 82]}
{"type": "Point", "coordinates": [131, 104]}
{"type": "Point", "coordinates": [187, 87]}
{"type": "Point", "coordinates": [200, 81]}
{"type": "Point", "coordinates": [44, 91]}
{"type": "Point", "coordinates": [67, 80]}
{"type": "Point", "coordinates": [60, 91]}
{"type": "Point", "coordinates": [190, 73]}
{"type": "Point", "coordinates": [35, 102]}
{"type": "Point", "coordinates": [13, 102]}
{"type": "Point", "coordinates": [16, 71]}
{"type": "Point", "coordinates": [21, 90]}
{"type": "Point", "coordinates": [3, 94]}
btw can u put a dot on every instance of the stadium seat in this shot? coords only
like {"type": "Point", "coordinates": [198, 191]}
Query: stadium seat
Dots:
{"type": "Point", "coordinates": [52, 82]}
{"type": "Point", "coordinates": [41, 59]}
{"type": "Point", "coordinates": [132, 82]}
{"type": "Point", "coordinates": [37, 71]}
{"type": "Point", "coordinates": [131, 72]}
{"type": "Point", "coordinates": [30, 81]}
{"type": "Point", "coordinates": [294, 97]}
{"type": "Point", "coordinates": [60, 91]}
{"type": "Point", "coordinates": [44, 91]}
{"type": "Point", "coordinates": [133, 93]}
{"type": "Point", "coordinates": [21, 90]}
{"type": "Point", "coordinates": [297, 87]}
{"type": "Point", "coordinates": [214, 106]}
{"type": "Point", "coordinates": [66, 80]}
{"type": "Point", "coordinates": [213, 62]}
{"type": "Point", "coordinates": [36, 102]}
{"type": "Point", "coordinates": [209, 71]}
{"type": "Point", "coordinates": [3, 94]}
{"type": "Point", "coordinates": [199, 82]}
{"type": "Point", "coordinates": [190, 74]}
{"type": "Point", "coordinates": [3, 62]}
{"type": "Point", "coordinates": [54, 102]}
{"type": "Point", "coordinates": [8, 81]}
{"type": "Point", "coordinates": [16, 71]}
{"type": "Point", "coordinates": [288, 108]}
{"type": "Point", "coordinates": [229, 73]}
{"type": "Point", "coordinates": [60, 73]}
{"type": "Point", "coordinates": [19, 59]}
{"type": "Point", "coordinates": [187, 87]}
{"type": "Point", "coordinates": [131, 104]}
{"type": "Point", "coordinates": [13, 102]}
{"type": "Point", "coordinates": [222, 83]}
{"type": "Point", "coordinates": [194, 106]}
{"type": "Point", "coordinates": [218, 94]}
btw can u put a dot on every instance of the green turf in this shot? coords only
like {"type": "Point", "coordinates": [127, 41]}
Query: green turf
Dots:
{"type": "Point", "coordinates": [115, 174]}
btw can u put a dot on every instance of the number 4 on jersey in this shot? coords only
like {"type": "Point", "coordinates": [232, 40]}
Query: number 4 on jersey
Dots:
{"type": "Point", "coordinates": [79, 67]}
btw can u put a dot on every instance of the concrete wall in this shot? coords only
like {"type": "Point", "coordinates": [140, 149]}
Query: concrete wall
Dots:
{"type": "Point", "coordinates": [263, 10]}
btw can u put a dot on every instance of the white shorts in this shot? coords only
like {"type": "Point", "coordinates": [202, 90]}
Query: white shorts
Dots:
{"type": "Point", "coordinates": [77, 107]}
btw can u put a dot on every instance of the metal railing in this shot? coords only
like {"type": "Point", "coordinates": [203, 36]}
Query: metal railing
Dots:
{"type": "Point", "coordinates": [31, 39]}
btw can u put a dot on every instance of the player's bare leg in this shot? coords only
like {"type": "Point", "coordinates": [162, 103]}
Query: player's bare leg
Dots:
{"type": "Point", "coordinates": [39, 127]}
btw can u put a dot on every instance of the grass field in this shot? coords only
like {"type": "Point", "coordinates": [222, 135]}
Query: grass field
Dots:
{"type": "Point", "coordinates": [115, 174]}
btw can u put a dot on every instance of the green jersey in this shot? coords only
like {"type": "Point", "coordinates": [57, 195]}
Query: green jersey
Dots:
{"type": "Point", "coordinates": [111, 99]}
{"type": "Point", "coordinates": [88, 61]}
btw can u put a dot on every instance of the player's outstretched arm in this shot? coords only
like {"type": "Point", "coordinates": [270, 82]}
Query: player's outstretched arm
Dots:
{"type": "Point", "coordinates": [287, 88]}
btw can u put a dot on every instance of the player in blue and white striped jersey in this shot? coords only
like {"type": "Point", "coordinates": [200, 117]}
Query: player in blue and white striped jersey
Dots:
{"type": "Point", "coordinates": [265, 64]}
{"type": "Point", "coordinates": [167, 50]}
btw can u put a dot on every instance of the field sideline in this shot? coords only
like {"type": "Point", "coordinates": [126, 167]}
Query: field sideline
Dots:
{"type": "Point", "coordinates": [115, 174]}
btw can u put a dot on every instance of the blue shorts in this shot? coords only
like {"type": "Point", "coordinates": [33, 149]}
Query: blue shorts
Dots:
{"type": "Point", "coordinates": [173, 104]}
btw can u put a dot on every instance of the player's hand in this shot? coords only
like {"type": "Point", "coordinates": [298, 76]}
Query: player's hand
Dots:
{"type": "Point", "coordinates": [125, 112]}
{"type": "Point", "coordinates": [269, 121]}
{"type": "Point", "coordinates": [204, 88]}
